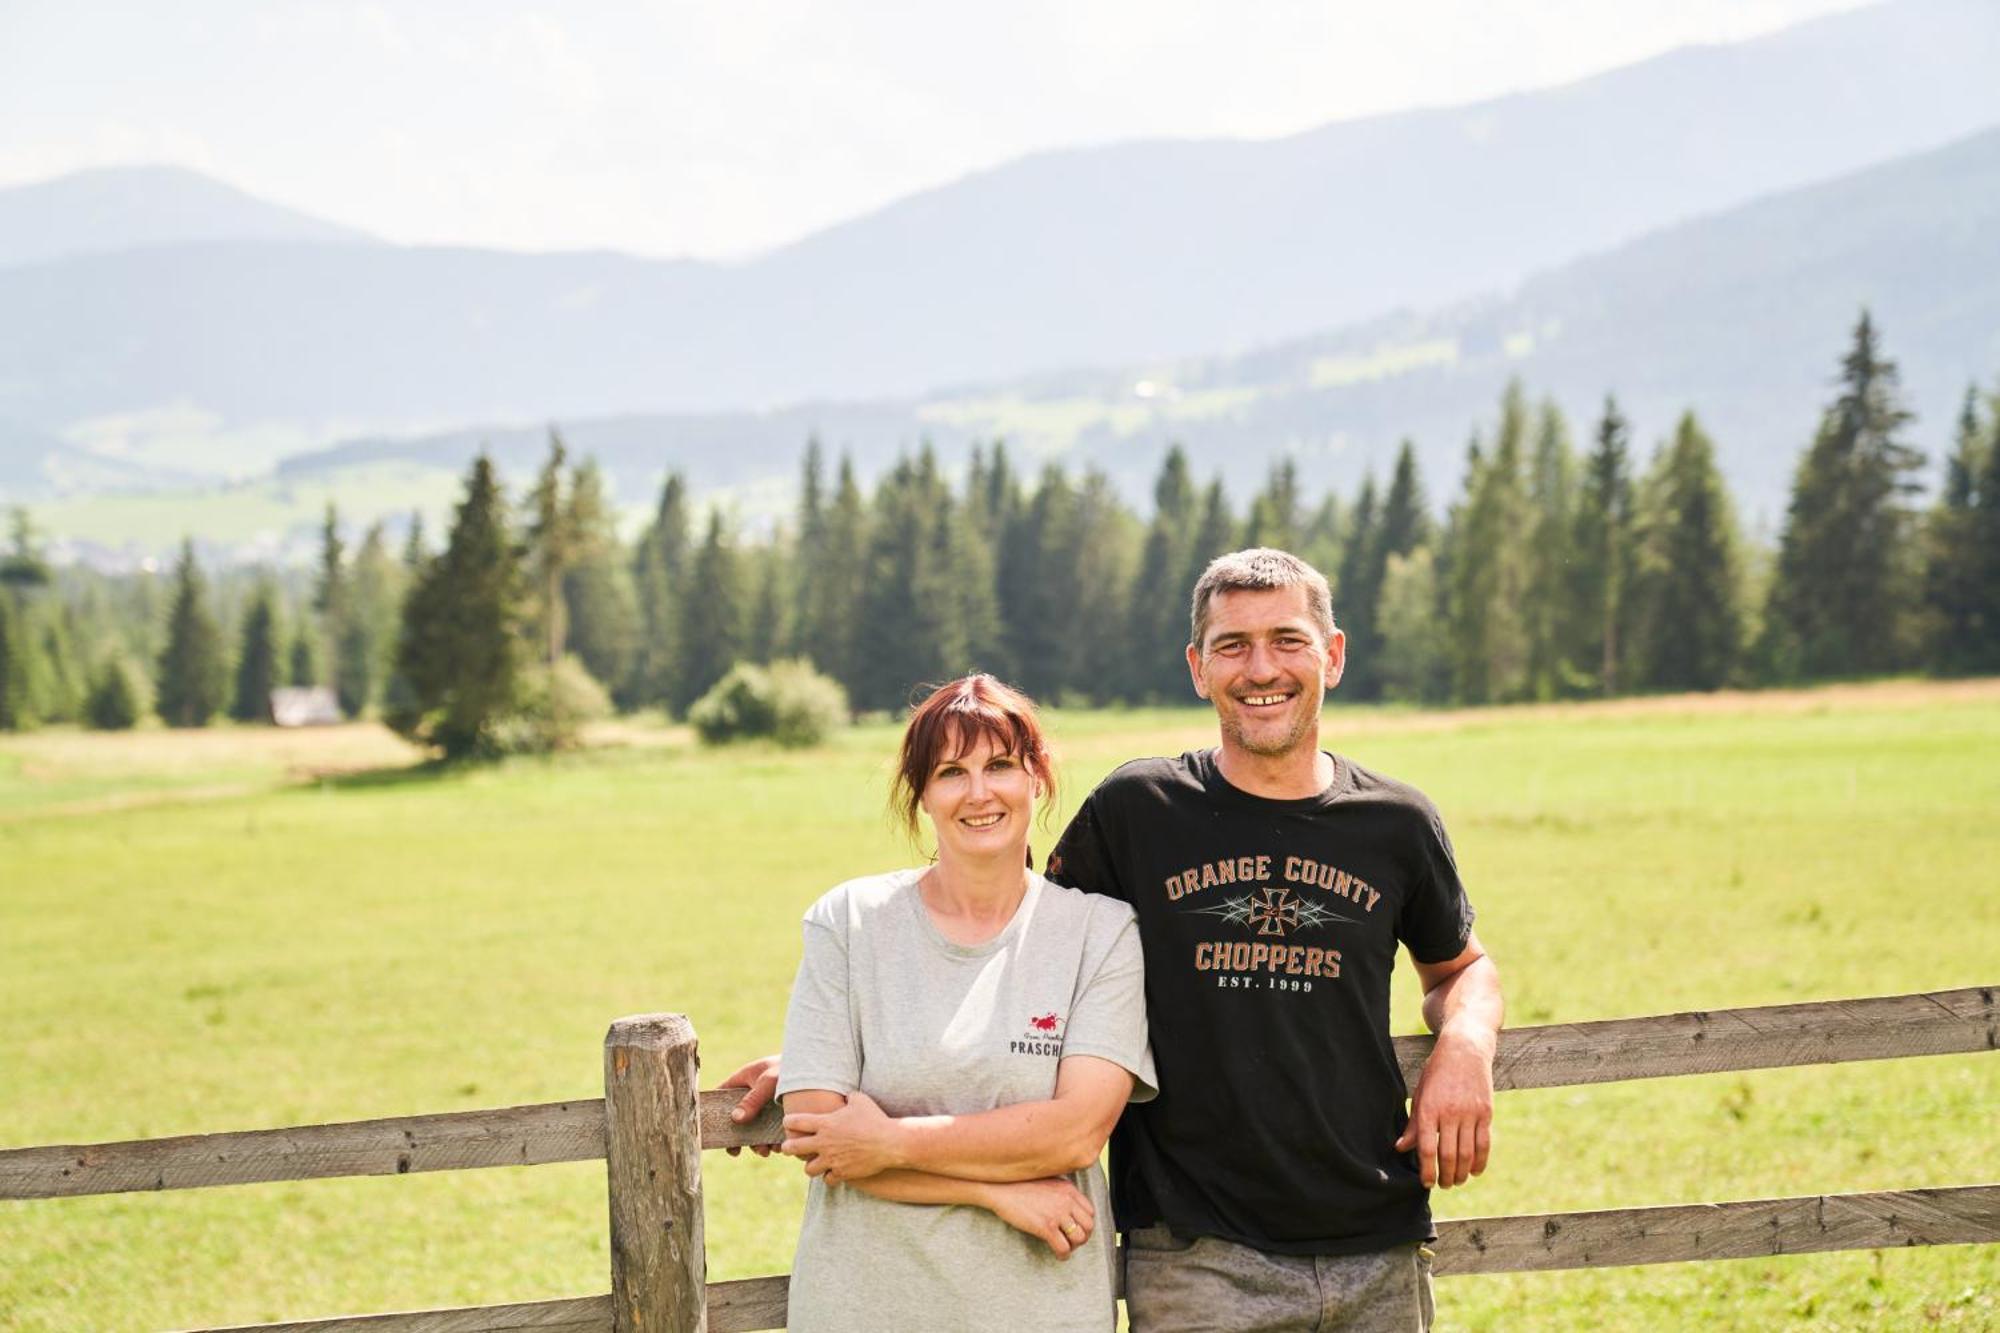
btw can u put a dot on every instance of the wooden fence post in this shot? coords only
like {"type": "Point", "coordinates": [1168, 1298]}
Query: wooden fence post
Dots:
{"type": "Point", "coordinates": [652, 1122]}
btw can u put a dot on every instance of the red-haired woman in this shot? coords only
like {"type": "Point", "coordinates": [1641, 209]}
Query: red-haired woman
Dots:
{"type": "Point", "coordinates": [960, 1041]}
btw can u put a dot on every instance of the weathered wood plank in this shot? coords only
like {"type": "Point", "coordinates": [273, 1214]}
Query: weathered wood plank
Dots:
{"type": "Point", "coordinates": [452, 1141]}
{"type": "Point", "coordinates": [584, 1314]}
{"type": "Point", "coordinates": [719, 1131]}
{"type": "Point", "coordinates": [1939, 1023]}
{"type": "Point", "coordinates": [1824, 1032]}
{"type": "Point", "coordinates": [652, 1120]}
{"type": "Point", "coordinates": [1609, 1238]}
{"type": "Point", "coordinates": [1617, 1237]}
{"type": "Point", "coordinates": [747, 1304]}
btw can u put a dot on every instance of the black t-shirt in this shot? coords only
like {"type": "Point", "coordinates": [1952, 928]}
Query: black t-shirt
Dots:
{"type": "Point", "coordinates": [1270, 931]}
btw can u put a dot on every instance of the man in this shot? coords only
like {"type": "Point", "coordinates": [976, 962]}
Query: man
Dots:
{"type": "Point", "coordinates": [1276, 1183]}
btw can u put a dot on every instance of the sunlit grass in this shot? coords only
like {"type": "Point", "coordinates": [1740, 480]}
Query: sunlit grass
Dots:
{"type": "Point", "coordinates": [294, 948]}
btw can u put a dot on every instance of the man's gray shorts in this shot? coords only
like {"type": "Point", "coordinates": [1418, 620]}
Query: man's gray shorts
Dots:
{"type": "Point", "coordinates": [1184, 1286]}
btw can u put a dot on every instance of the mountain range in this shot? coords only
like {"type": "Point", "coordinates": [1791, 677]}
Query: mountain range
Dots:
{"type": "Point", "coordinates": [1643, 231]}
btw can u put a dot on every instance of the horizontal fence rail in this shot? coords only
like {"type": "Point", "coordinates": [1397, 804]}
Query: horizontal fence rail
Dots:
{"type": "Point", "coordinates": [401, 1145]}
{"type": "Point", "coordinates": [1536, 1242]}
{"type": "Point", "coordinates": [1558, 1055]}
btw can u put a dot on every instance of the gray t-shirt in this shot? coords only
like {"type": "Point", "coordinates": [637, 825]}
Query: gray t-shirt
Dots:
{"type": "Point", "coordinates": [885, 1004]}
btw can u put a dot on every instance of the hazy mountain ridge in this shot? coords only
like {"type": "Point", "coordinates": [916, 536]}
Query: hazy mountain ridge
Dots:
{"type": "Point", "coordinates": [1103, 256]}
{"type": "Point", "coordinates": [1740, 316]}
{"type": "Point", "coordinates": [123, 208]}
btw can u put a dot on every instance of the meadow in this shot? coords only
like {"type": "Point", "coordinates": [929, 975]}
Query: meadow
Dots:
{"type": "Point", "coordinates": [242, 929]}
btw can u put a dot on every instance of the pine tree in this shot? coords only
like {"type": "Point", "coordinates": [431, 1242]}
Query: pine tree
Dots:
{"type": "Point", "coordinates": [60, 686]}
{"type": "Point", "coordinates": [1415, 657]}
{"type": "Point", "coordinates": [765, 630]}
{"type": "Point", "coordinates": [14, 670]}
{"type": "Point", "coordinates": [1489, 570]}
{"type": "Point", "coordinates": [1106, 547]}
{"type": "Point", "coordinates": [1845, 578]}
{"type": "Point", "coordinates": [1357, 587]}
{"type": "Point", "coordinates": [1985, 546]}
{"type": "Point", "coordinates": [22, 665]}
{"type": "Point", "coordinates": [257, 662]}
{"type": "Point", "coordinates": [330, 599]}
{"type": "Point", "coordinates": [459, 652]}
{"type": "Point", "coordinates": [1405, 524]}
{"type": "Point", "coordinates": [1551, 560]}
{"type": "Point", "coordinates": [191, 669]}
{"type": "Point", "coordinates": [1274, 512]}
{"type": "Point", "coordinates": [113, 703]}
{"type": "Point", "coordinates": [659, 573]}
{"type": "Point", "coordinates": [1039, 587]}
{"type": "Point", "coordinates": [1688, 585]}
{"type": "Point", "coordinates": [712, 612]}
{"type": "Point", "coordinates": [1601, 577]}
{"type": "Point", "coordinates": [550, 551]}
{"type": "Point", "coordinates": [301, 668]}
{"type": "Point", "coordinates": [367, 644]}
{"type": "Point", "coordinates": [1159, 624]}
{"type": "Point", "coordinates": [827, 633]}
{"type": "Point", "coordinates": [603, 608]}
{"type": "Point", "coordinates": [1957, 595]}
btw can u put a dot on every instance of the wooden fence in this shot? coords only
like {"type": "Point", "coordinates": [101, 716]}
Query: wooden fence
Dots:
{"type": "Point", "coordinates": [651, 1126]}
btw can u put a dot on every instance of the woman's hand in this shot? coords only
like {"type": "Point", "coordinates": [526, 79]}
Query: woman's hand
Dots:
{"type": "Point", "coordinates": [853, 1143]}
{"type": "Point", "coordinates": [1053, 1210]}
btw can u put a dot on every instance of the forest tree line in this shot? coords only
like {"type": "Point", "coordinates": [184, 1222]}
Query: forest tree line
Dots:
{"type": "Point", "coordinates": [1561, 568]}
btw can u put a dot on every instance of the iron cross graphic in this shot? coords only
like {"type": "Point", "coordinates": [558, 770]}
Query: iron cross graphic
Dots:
{"type": "Point", "coordinates": [1276, 912]}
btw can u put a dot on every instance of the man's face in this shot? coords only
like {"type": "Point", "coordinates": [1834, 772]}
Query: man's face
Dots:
{"type": "Point", "coordinates": [1264, 665]}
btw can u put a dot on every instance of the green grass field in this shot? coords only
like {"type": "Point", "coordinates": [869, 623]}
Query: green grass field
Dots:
{"type": "Point", "coordinates": [215, 932]}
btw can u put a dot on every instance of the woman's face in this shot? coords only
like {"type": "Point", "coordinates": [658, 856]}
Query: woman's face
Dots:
{"type": "Point", "coordinates": [981, 803]}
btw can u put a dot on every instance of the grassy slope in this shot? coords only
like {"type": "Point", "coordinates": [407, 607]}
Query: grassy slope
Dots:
{"type": "Point", "coordinates": [375, 947]}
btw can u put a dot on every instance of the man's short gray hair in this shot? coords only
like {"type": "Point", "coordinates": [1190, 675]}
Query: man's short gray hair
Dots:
{"type": "Point", "coordinates": [1256, 569]}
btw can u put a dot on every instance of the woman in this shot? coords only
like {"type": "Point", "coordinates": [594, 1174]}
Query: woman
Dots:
{"type": "Point", "coordinates": [961, 1038]}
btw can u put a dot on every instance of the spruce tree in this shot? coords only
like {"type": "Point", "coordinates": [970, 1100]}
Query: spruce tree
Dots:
{"type": "Point", "coordinates": [113, 703]}
{"type": "Point", "coordinates": [367, 646]}
{"type": "Point", "coordinates": [711, 620]}
{"type": "Point", "coordinates": [1489, 570]}
{"type": "Point", "coordinates": [330, 600]}
{"type": "Point", "coordinates": [550, 551]}
{"type": "Point", "coordinates": [1602, 572]}
{"type": "Point", "coordinates": [1415, 653]}
{"type": "Point", "coordinates": [1845, 577]}
{"type": "Point", "coordinates": [1357, 587]}
{"type": "Point", "coordinates": [1405, 523]}
{"type": "Point", "coordinates": [1159, 625]}
{"type": "Point", "coordinates": [14, 669]}
{"type": "Point", "coordinates": [1274, 511]}
{"type": "Point", "coordinates": [603, 608]}
{"type": "Point", "coordinates": [1957, 596]}
{"type": "Point", "coordinates": [301, 668]}
{"type": "Point", "coordinates": [190, 669]}
{"type": "Point", "coordinates": [827, 635]}
{"type": "Point", "coordinates": [1039, 592]}
{"type": "Point", "coordinates": [1106, 547]}
{"type": "Point", "coordinates": [257, 660]}
{"type": "Point", "coordinates": [1551, 612]}
{"type": "Point", "coordinates": [1984, 557]}
{"type": "Point", "coordinates": [1688, 585]}
{"type": "Point", "coordinates": [659, 571]}
{"type": "Point", "coordinates": [460, 648]}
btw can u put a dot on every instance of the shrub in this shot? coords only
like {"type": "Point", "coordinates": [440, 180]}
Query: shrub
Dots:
{"type": "Point", "coordinates": [787, 702]}
{"type": "Point", "coordinates": [550, 710]}
{"type": "Point", "coordinates": [113, 704]}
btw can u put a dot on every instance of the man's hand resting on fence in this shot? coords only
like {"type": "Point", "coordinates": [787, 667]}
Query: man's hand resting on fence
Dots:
{"type": "Point", "coordinates": [853, 1143]}
{"type": "Point", "coordinates": [760, 1076]}
{"type": "Point", "coordinates": [1451, 1112]}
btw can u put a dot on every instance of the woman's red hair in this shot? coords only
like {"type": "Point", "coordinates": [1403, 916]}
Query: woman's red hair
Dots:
{"type": "Point", "coordinates": [951, 721]}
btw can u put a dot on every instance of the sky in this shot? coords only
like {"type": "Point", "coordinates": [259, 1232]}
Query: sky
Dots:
{"type": "Point", "coordinates": [720, 130]}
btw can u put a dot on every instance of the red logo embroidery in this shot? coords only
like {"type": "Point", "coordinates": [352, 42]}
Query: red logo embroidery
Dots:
{"type": "Point", "coordinates": [1046, 1023]}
